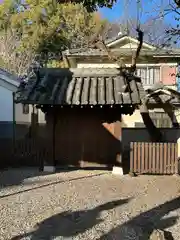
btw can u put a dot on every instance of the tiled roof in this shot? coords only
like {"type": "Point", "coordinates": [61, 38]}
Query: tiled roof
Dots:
{"type": "Point", "coordinates": [123, 52]}
{"type": "Point", "coordinates": [172, 97]}
{"type": "Point", "coordinates": [81, 87]}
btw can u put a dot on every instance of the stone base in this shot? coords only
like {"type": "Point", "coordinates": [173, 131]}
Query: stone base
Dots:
{"type": "Point", "coordinates": [49, 169]}
{"type": "Point", "coordinates": [176, 175]}
{"type": "Point", "coordinates": [117, 171]}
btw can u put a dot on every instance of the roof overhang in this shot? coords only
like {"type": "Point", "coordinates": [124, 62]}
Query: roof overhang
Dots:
{"type": "Point", "coordinates": [82, 88]}
{"type": "Point", "coordinates": [8, 81]}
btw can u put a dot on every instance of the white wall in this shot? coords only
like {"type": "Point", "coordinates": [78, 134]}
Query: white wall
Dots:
{"type": "Point", "coordinates": [6, 104]}
{"type": "Point", "coordinates": [97, 65]}
{"type": "Point", "coordinates": [26, 118]}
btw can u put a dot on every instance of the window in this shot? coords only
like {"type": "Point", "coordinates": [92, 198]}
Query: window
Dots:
{"type": "Point", "coordinates": [149, 75]}
{"type": "Point", "coordinates": [25, 109]}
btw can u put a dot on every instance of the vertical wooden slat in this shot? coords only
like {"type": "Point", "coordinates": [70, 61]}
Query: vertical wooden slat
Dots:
{"type": "Point", "coordinates": [153, 158]}
{"type": "Point", "coordinates": [175, 166]}
{"type": "Point", "coordinates": [135, 157]}
{"type": "Point", "coordinates": [169, 158]}
{"type": "Point", "coordinates": [131, 157]}
{"type": "Point", "coordinates": [176, 158]}
{"type": "Point", "coordinates": [146, 157]}
{"type": "Point", "coordinates": [150, 157]}
{"type": "Point", "coordinates": [173, 160]}
{"type": "Point", "coordinates": [161, 158]}
{"type": "Point", "coordinates": [165, 157]}
{"type": "Point", "coordinates": [139, 157]}
{"type": "Point", "coordinates": [157, 159]}
{"type": "Point", "coordinates": [142, 157]}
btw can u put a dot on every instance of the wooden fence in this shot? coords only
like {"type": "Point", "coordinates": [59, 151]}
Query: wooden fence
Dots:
{"type": "Point", "coordinates": [24, 152]}
{"type": "Point", "coordinates": [153, 158]}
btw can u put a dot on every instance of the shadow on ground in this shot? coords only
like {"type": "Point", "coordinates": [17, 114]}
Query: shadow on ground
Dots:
{"type": "Point", "coordinates": [143, 225]}
{"type": "Point", "coordinates": [16, 176]}
{"type": "Point", "coordinates": [68, 224]}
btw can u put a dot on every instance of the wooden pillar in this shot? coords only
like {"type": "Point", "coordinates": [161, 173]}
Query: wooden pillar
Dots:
{"type": "Point", "coordinates": [54, 138]}
{"type": "Point", "coordinates": [117, 169]}
{"type": "Point", "coordinates": [14, 122]}
{"type": "Point", "coordinates": [51, 163]}
{"type": "Point", "coordinates": [34, 122]}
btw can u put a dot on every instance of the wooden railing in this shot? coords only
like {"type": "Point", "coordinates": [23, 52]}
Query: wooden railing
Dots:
{"type": "Point", "coordinates": [153, 158]}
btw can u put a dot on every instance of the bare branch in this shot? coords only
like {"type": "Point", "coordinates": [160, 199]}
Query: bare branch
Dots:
{"type": "Point", "coordinates": [16, 62]}
{"type": "Point", "coordinates": [136, 55]}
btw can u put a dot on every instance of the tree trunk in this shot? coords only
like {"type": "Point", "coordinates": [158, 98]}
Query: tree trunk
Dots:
{"type": "Point", "coordinates": [155, 133]}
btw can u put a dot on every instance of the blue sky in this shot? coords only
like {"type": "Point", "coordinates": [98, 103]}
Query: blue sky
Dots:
{"type": "Point", "coordinates": [149, 9]}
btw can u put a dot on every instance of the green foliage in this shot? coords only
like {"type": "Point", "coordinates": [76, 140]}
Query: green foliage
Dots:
{"type": "Point", "coordinates": [91, 5]}
{"type": "Point", "coordinates": [42, 28]}
{"type": "Point", "coordinates": [45, 27]}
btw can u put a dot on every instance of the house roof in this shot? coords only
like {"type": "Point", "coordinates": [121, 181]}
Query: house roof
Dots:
{"type": "Point", "coordinates": [147, 50]}
{"type": "Point", "coordinates": [124, 52]}
{"type": "Point", "coordinates": [81, 87]}
{"type": "Point", "coordinates": [162, 94]}
{"type": "Point", "coordinates": [8, 80]}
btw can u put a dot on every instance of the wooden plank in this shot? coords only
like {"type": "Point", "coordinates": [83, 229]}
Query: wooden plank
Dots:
{"type": "Point", "coordinates": [161, 157]}
{"type": "Point", "coordinates": [176, 158]}
{"type": "Point", "coordinates": [139, 157]}
{"type": "Point", "coordinates": [146, 157]}
{"type": "Point", "coordinates": [150, 157]}
{"type": "Point", "coordinates": [173, 160]}
{"type": "Point", "coordinates": [131, 157]}
{"type": "Point", "coordinates": [153, 157]}
{"type": "Point", "coordinates": [157, 158]}
{"type": "Point", "coordinates": [135, 157]}
{"type": "Point", "coordinates": [142, 157]}
{"type": "Point", "coordinates": [165, 157]}
{"type": "Point", "coordinates": [169, 158]}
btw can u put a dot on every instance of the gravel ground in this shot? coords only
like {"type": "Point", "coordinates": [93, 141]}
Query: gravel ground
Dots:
{"type": "Point", "coordinates": [86, 205]}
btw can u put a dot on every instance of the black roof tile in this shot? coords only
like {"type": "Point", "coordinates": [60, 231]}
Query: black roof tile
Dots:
{"type": "Point", "coordinates": [81, 87]}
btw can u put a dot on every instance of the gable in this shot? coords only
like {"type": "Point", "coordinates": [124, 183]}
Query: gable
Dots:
{"type": "Point", "coordinates": [129, 42]}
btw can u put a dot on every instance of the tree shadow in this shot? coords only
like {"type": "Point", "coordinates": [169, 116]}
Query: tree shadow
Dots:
{"type": "Point", "coordinates": [16, 176]}
{"type": "Point", "coordinates": [20, 175]}
{"type": "Point", "coordinates": [163, 101]}
{"type": "Point", "coordinates": [69, 224]}
{"type": "Point", "coordinates": [143, 225]}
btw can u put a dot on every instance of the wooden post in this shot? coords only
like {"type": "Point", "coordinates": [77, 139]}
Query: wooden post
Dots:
{"type": "Point", "coordinates": [54, 138]}
{"type": "Point", "coordinates": [14, 122]}
{"type": "Point", "coordinates": [50, 166]}
{"type": "Point", "coordinates": [117, 169]}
